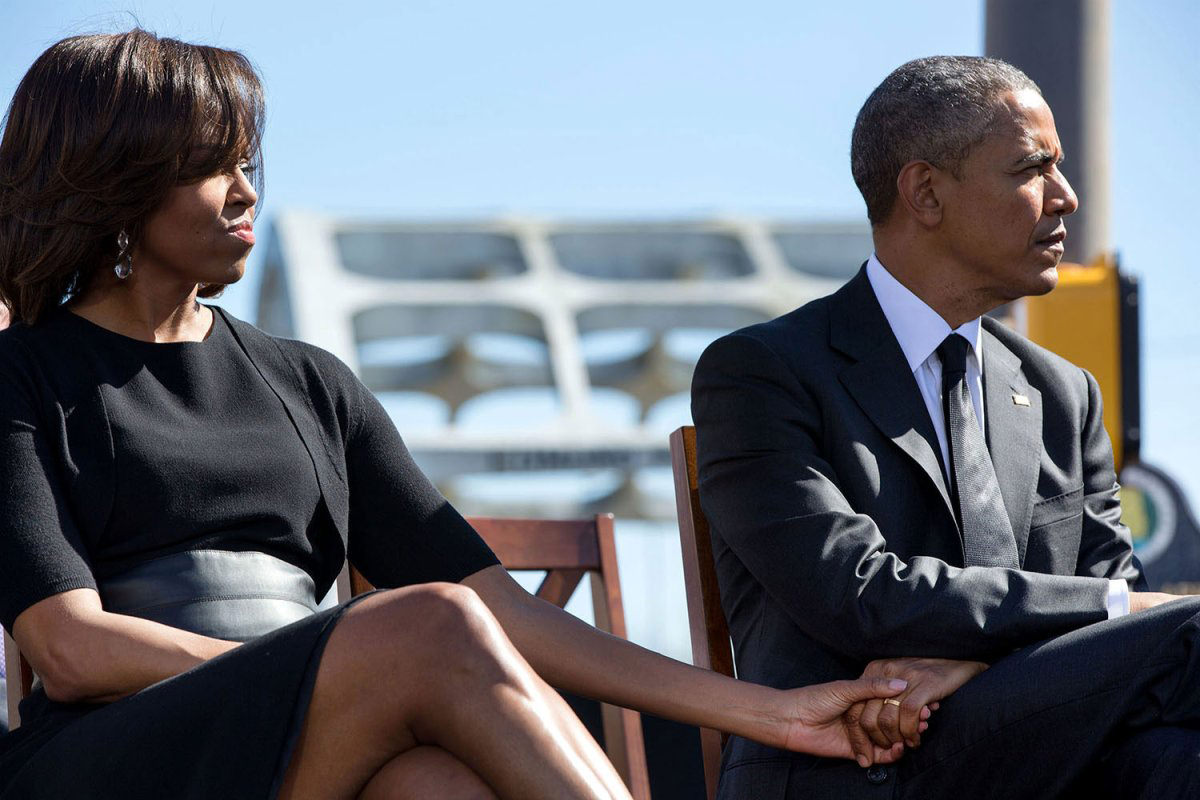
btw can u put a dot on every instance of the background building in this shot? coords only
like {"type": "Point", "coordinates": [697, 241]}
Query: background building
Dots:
{"type": "Point", "coordinates": [535, 367]}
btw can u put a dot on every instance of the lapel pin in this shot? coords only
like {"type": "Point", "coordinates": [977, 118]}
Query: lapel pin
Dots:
{"type": "Point", "coordinates": [1020, 400]}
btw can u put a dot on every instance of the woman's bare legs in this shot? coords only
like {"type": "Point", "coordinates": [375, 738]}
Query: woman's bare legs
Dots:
{"type": "Point", "coordinates": [423, 772]}
{"type": "Point", "coordinates": [429, 665]}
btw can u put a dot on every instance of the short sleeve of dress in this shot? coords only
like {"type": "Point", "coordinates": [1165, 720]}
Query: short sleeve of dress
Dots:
{"type": "Point", "coordinates": [41, 550]}
{"type": "Point", "coordinates": [402, 530]}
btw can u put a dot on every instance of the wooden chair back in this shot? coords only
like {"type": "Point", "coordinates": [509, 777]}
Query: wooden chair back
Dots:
{"type": "Point", "coordinates": [711, 646]}
{"type": "Point", "coordinates": [567, 550]}
{"type": "Point", "coordinates": [19, 679]}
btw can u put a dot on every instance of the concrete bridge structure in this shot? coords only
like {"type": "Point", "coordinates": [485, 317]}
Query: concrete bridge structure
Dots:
{"type": "Point", "coordinates": [514, 349]}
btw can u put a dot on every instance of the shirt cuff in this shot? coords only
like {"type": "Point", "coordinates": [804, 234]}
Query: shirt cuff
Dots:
{"type": "Point", "coordinates": [1118, 598]}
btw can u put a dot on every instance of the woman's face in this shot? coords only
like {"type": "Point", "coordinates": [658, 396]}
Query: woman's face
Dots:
{"type": "Point", "coordinates": [202, 233]}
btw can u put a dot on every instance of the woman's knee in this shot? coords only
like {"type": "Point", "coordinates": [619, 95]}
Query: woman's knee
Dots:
{"type": "Point", "coordinates": [432, 620]}
{"type": "Point", "coordinates": [442, 613]}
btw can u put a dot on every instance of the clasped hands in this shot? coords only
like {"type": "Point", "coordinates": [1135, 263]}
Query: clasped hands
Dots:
{"type": "Point", "coordinates": [872, 719]}
{"type": "Point", "coordinates": [896, 722]}
{"type": "Point", "coordinates": [878, 728]}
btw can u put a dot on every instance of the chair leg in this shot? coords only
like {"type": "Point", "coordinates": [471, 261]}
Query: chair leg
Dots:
{"type": "Point", "coordinates": [710, 751]}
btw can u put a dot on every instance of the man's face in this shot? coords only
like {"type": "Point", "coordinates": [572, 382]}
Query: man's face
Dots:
{"type": "Point", "coordinates": [1002, 218]}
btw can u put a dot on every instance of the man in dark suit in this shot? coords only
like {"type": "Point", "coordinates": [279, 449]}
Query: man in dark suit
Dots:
{"type": "Point", "coordinates": [887, 475]}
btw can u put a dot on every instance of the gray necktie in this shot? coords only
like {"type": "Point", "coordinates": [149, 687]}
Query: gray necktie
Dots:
{"type": "Point", "coordinates": [987, 535]}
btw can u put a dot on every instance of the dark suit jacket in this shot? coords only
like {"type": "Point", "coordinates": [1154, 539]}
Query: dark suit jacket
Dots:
{"type": "Point", "coordinates": [834, 539]}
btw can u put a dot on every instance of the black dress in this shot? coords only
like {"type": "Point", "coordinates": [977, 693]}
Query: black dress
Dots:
{"type": "Point", "coordinates": [114, 452]}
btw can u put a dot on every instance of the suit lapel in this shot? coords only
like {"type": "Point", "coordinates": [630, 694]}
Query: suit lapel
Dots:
{"type": "Point", "coordinates": [880, 380]}
{"type": "Point", "coordinates": [1013, 417]}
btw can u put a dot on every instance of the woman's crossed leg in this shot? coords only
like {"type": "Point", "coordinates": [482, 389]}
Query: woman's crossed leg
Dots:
{"type": "Point", "coordinates": [421, 684]}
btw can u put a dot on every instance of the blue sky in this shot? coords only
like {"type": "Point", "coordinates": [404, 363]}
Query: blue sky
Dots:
{"type": "Point", "coordinates": [443, 109]}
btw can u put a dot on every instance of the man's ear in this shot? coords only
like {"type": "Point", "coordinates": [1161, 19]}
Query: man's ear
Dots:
{"type": "Point", "coordinates": [917, 186]}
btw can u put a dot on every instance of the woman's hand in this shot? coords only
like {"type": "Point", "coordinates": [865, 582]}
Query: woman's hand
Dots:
{"type": "Point", "coordinates": [873, 724]}
{"type": "Point", "coordinates": [815, 719]}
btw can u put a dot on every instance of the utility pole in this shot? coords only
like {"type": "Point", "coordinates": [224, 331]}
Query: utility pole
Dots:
{"type": "Point", "coordinates": [1064, 46]}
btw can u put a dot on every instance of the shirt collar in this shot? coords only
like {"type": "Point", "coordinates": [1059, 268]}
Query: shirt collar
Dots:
{"type": "Point", "coordinates": [918, 328]}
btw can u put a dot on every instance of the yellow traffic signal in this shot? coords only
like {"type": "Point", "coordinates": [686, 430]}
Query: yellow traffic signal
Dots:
{"type": "Point", "coordinates": [1091, 320]}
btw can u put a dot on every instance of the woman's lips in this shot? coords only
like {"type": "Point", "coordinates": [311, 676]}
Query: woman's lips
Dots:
{"type": "Point", "coordinates": [243, 232]}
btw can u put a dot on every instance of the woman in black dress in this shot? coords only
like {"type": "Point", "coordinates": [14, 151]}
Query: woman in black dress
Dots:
{"type": "Point", "coordinates": [176, 489]}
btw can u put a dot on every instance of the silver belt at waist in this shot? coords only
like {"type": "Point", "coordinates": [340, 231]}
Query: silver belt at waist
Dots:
{"type": "Point", "coordinates": [227, 595]}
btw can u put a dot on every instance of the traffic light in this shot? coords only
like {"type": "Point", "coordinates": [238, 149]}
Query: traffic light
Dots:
{"type": "Point", "coordinates": [1091, 319]}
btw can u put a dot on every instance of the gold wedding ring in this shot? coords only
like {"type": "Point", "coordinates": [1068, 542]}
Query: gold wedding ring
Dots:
{"type": "Point", "coordinates": [891, 701]}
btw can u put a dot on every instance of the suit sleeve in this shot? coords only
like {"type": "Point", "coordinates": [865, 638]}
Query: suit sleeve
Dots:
{"type": "Point", "coordinates": [1106, 547]}
{"type": "Point", "coordinates": [773, 498]}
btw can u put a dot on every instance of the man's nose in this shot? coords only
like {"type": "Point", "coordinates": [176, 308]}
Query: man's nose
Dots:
{"type": "Point", "coordinates": [1060, 198]}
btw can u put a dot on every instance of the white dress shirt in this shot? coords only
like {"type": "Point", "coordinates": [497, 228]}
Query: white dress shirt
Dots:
{"type": "Point", "coordinates": [919, 330]}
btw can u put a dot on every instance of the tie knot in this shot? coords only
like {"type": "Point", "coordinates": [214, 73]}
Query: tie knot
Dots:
{"type": "Point", "coordinates": [953, 353]}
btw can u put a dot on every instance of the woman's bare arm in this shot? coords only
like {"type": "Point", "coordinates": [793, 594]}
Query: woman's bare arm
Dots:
{"type": "Point", "coordinates": [85, 654]}
{"type": "Point", "coordinates": [574, 656]}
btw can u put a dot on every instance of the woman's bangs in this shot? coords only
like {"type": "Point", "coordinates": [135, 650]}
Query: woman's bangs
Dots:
{"type": "Point", "coordinates": [228, 113]}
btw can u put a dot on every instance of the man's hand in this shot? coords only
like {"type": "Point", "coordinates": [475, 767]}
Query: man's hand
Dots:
{"type": "Point", "coordinates": [1140, 601]}
{"type": "Point", "coordinates": [873, 724]}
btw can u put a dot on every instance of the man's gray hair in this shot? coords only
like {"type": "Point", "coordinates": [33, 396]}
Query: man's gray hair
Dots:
{"type": "Point", "coordinates": [931, 109]}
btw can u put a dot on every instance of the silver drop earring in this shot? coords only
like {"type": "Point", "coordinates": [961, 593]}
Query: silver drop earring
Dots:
{"type": "Point", "coordinates": [124, 265]}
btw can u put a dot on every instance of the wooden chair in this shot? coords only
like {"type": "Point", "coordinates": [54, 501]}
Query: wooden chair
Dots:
{"type": "Point", "coordinates": [711, 647]}
{"type": "Point", "coordinates": [19, 677]}
{"type": "Point", "coordinates": [567, 550]}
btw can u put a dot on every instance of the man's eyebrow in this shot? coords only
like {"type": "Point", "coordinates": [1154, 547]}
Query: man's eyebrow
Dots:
{"type": "Point", "coordinates": [1040, 157]}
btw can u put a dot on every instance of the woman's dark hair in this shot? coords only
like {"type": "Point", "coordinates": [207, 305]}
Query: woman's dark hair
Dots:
{"type": "Point", "coordinates": [99, 130]}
